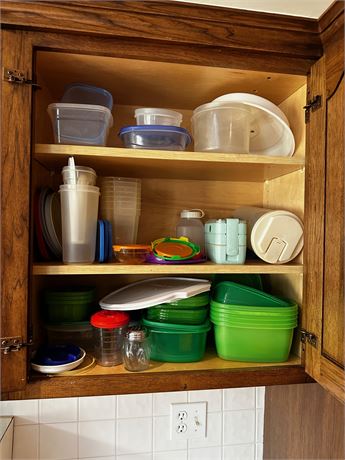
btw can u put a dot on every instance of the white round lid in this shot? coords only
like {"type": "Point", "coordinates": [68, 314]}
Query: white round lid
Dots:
{"type": "Point", "coordinates": [277, 237]}
{"type": "Point", "coordinates": [192, 213]}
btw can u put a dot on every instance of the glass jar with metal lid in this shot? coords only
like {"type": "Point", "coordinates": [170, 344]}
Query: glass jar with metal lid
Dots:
{"type": "Point", "coordinates": [136, 349]}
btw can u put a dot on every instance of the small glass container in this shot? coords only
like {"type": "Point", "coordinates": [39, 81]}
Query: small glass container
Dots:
{"type": "Point", "coordinates": [131, 254]}
{"type": "Point", "coordinates": [136, 349]}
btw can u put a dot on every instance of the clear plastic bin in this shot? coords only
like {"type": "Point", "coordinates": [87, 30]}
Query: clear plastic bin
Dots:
{"type": "Point", "coordinates": [152, 116]}
{"type": "Point", "coordinates": [155, 137]}
{"type": "Point", "coordinates": [76, 333]}
{"type": "Point", "coordinates": [80, 124]}
{"type": "Point", "coordinates": [80, 93]}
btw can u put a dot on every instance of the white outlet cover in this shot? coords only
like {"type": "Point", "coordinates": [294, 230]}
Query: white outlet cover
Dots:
{"type": "Point", "coordinates": [188, 420]}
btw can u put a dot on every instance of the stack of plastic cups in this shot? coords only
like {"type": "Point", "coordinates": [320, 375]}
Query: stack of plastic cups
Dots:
{"type": "Point", "coordinates": [121, 205]}
{"type": "Point", "coordinates": [79, 213]}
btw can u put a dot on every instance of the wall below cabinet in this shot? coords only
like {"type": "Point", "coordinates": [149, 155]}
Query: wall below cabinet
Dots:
{"type": "Point", "coordinates": [137, 427]}
{"type": "Point", "coordinates": [303, 422]}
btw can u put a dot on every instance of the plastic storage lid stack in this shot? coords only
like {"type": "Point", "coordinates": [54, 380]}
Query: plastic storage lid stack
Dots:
{"type": "Point", "coordinates": [154, 116]}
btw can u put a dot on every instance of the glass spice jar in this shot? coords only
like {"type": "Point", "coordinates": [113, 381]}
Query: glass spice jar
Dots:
{"type": "Point", "coordinates": [136, 349]}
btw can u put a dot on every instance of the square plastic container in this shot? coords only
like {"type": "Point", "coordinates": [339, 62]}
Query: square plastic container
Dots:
{"type": "Point", "coordinates": [177, 343]}
{"type": "Point", "coordinates": [80, 93]}
{"type": "Point", "coordinates": [80, 124]}
{"type": "Point", "coordinates": [253, 344]}
{"type": "Point", "coordinates": [153, 116]}
{"type": "Point", "coordinates": [155, 137]}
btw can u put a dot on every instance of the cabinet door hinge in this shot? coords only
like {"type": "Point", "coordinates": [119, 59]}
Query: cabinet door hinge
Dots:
{"type": "Point", "coordinates": [13, 344]}
{"type": "Point", "coordinates": [312, 105]}
{"type": "Point", "coordinates": [308, 337]}
{"type": "Point", "coordinates": [17, 76]}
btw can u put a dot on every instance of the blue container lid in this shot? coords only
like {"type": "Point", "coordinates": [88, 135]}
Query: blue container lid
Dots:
{"type": "Point", "coordinates": [54, 355]}
{"type": "Point", "coordinates": [81, 93]}
{"type": "Point", "coordinates": [155, 129]}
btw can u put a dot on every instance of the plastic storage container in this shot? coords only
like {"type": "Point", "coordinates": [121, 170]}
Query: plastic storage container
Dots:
{"type": "Point", "coordinates": [190, 226]}
{"type": "Point", "coordinates": [68, 305]}
{"type": "Point", "coordinates": [155, 137]}
{"type": "Point", "coordinates": [80, 93]}
{"type": "Point", "coordinates": [176, 342]}
{"type": "Point", "coordinates": [131, 254]}
{"type": "Point", "coordinates": [221, 127]}
{"type": "Point", "coordinates": [81, 175]}
{"type": "Point", "coordinates": [275, 236]}
{"type": "Point", "coordinates": [177, 316]}
{"type": "Point", "coordinates": [226, 241]}
{"type": "Point", "coordinates": [153, 116]}
{"type": "Point", "coordinates": [81, 124]}
{"type": "Point", "coordinates": [228, 292]}
{"type": "Point", "coordinates": [79, 213]}
{"type": "Point", "coordinates": [77, 333]}
{"type": "Point", "coordinates": [109, 328]}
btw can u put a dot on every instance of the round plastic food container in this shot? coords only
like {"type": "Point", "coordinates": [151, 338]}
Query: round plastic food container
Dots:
{"type": "Point", "coordinates": [78, 333]}
{"type": "Point", "coordinates": [131, 254]}
{"type": "Point", "coordinates": [109, 328]}
{"type": "Point", "coordinates": [153, 116]}
{"type": "Point", "coordinates": [176, 342]}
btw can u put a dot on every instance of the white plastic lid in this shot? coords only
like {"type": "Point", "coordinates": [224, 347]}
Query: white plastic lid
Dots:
{"type": "Point", "coordinates": [277, 237]}
{"type": "Point", "coordinates": [151, 292]}
{"type": "Point", "coordinates": [156, 111]}
{"type": "Point", "coordinates": [192, 214]}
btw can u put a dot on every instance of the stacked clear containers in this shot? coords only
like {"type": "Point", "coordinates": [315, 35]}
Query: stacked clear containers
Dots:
{"type": "Point", "coordinates": [121, 205]}
{"type": "Point", "coordinates": [109, 328]}
{"type": "Point", "coordinates": [79, 212]}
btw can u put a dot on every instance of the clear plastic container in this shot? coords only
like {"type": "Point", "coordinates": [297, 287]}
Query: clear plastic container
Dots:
{"type": "Point", "coordinates": [153, 116]}
{"type": "Point", "coordinates": [77, 333]}
{"type": "Point", "coordinates": [79, 213]}
{"type": "Point", "coordinates": [80, 124]}
{"type": "Point", "coordinates": [80, 93]}
{"type": "Point", "coordinates": [155, 137]}
{"type": "Point", "coordinates": [191, 226]}
{"type": "Point", "coordinates": [109, 328]}
{"type": "Point", "coordinates": [131, 254]}
{"type": "Point", "coordinates": [221, 127]}
{"type": "Point", "coordinates": [81, 175]}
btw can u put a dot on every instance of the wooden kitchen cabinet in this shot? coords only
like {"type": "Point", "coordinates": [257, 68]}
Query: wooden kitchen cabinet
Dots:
{"type": "Point", "coordinates": [174, 56]}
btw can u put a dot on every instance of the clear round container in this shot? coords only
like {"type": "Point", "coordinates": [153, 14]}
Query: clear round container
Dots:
{"type": "Point", "coordinates": [153, 116]}
{"type": "Point", "coordinates": [109, 328]}
{"type": "Point", "coordinates": [131, 254]}
{"type": "Point", "coordinates": [190, 225]}
{"type": "Point", "coordinates": [136, 349]}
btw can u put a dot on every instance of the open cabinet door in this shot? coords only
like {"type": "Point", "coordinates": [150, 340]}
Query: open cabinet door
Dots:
{"type": "Point", "coordinates": [324, 282]}
{"type": "Point", "coordinates": [15, 198]}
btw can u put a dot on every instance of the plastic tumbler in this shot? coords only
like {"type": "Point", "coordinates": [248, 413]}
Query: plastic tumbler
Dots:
{"type": "Point", "coordinates": [109, 328]}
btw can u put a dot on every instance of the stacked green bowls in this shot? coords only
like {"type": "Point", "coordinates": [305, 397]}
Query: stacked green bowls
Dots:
{"type": "Point", "coordinates": [178, 330]}
{"type": "Point", "coordinates": [251, 325]}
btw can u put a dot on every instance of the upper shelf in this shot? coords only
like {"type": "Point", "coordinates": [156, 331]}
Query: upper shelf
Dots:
{"type": "Point", "coordinates": [169, 164]}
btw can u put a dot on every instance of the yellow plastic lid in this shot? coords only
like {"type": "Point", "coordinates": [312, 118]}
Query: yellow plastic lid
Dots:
{"type": "Point", "coordinates": [119, 247]}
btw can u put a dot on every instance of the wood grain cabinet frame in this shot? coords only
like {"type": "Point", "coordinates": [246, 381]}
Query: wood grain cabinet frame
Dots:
{"type": "Point", "coordinates": [279, 53]}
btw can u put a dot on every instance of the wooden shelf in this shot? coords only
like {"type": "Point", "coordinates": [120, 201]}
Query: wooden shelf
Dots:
{"type": "Point", "coordinates": [147, 269]}
{"type": "Point", "coordinates": [168, 164]}
{"type": "Point", "coordinates": [212, 373]}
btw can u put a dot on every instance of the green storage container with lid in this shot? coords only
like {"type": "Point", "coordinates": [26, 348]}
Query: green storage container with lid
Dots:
{"type": "Point", "coordinates": [196, 301]}
{"type": "Point", "coordinates": [177, 342]}
{"type": "Point", "coordinates": [177, 315]}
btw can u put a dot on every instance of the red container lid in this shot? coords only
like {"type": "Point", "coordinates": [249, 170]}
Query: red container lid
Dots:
{"type": "Point", "coordinates": [106, 319]}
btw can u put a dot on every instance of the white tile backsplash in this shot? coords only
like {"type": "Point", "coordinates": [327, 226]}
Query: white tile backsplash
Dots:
{"type": "Point", "coordinates": [58, 441]}
{"type": "Point", "coordinates": [134, 435]}
{"type": "Point", "coordinates": [139, 405]}
{"type": "Point", "coordinates": [58, 410]}
{"type": "Point", "coordinates": [137, 427]}
{"type": "Point", "coordinates": [97, 408]}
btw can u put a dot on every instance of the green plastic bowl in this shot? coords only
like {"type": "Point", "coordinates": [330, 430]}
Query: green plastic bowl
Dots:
{"type": "Point", "coordinates": [228, 292]}
{"type": "Point", "coordinates": [177, 316]}
{"type": "Point", "coordinates": [254, 344]}
{"type": "Point", "coordinates": [291, 307]}
{"type": "Point", "coordinates": [177, 343]}
{"type": "Point", "coordinates": [255, 323]}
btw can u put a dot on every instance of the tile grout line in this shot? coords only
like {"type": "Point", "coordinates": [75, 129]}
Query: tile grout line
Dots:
{"type": "Point", "coordinates": [152, 429]}
{"type": "Point", "coordinates": [78, 426]}
{"type": "Point", "coordinates": [222, 425]}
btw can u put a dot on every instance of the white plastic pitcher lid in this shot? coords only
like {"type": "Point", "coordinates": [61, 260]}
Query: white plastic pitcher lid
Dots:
{"type": "Point", "coordinates": [192, 213]}
{"type": "Point", "coordinates": [277, 237]}
{"type": "Point", "coordinates": [151, 292]}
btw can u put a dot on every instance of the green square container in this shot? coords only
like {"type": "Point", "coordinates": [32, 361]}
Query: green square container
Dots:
{"type": "Point", "coordinates": [260, 345]}
{"type": "Point", "coordinates": [177, 343]}
{"type": "Point", "coordinates": [228, 292]}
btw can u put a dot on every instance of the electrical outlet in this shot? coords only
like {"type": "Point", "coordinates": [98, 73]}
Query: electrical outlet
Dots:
{"type": "Point", "coordinates": [188, 420]}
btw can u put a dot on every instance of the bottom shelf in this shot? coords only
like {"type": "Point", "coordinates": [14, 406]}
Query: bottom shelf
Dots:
{"type": "Point", "coordinates": [210, 373]}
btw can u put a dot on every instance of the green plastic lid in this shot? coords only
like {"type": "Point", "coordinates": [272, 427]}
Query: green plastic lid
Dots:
{"type": "Point", "coordinates": [237, 294]}
{"type": "Point", "coordinates": [173, 328]}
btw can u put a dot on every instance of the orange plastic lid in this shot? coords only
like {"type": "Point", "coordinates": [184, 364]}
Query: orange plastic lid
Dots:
{"type": "Point", "coordinates": [170, 249]}
{"type": "Point", "coordinates": [119, 247]}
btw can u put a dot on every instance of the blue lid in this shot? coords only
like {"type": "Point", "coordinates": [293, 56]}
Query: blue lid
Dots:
{"type": "Point", "coordinates": [158, 129]}
{"type": "Point", "coordinates": [81, 93]}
